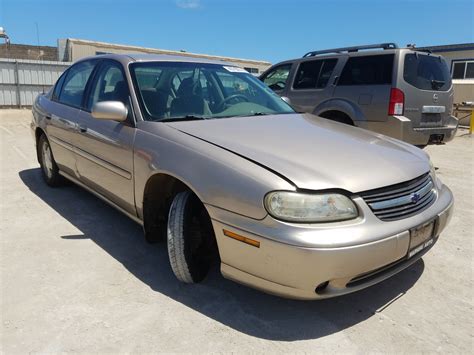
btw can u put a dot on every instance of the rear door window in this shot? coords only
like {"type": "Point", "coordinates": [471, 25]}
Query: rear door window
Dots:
{"type": "Point", "coordinates": [326, 72]}
{"type": "Point", "coordinates": [368, 70]}
{"type": "Point", "coordinates": [277, 77]}
{"type": "Point", "coordinates": [314, 74]}
{"type": "Point", "coordinates": [75, 83]}
{"type": "Point", "coordinates": [307, 75]}
{"type": "Point", "coordinates": [426, 72]}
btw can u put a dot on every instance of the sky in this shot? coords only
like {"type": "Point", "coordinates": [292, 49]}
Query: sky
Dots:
{"type": "Point", "coordinates": [271, 30]}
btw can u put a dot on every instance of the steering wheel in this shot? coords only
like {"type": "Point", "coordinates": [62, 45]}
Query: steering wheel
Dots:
{"type": "Point", "coordinates": [239, 97]}
{"type": "Point", "coordinates": [279, 85]}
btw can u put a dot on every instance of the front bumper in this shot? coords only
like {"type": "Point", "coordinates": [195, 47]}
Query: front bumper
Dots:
{"type": "Point", "coordinates": [293, 260]}
{"type": "Point", "coordinates": [401, 127]}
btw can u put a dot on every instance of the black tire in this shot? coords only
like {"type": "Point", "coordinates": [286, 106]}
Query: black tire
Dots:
{"type": "Point", "coordinates": [49, 169]}
{"type": "Point", "coordinates": [191, 242]}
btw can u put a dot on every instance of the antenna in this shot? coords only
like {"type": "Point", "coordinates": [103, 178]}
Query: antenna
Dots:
{"type": "Point", "coordinates": [39, 54]}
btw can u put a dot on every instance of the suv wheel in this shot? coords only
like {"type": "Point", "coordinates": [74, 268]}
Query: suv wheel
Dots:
{"type": "Point", "coordinates": [190, 237]}
{"type": "Point", "coordinates": [48, 165]}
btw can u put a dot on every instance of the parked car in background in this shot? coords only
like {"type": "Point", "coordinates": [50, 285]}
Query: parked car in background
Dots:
{"type": "Point", "coordinates": [205, 156]}
{"type": "Point", "coordinates": [400, 92]}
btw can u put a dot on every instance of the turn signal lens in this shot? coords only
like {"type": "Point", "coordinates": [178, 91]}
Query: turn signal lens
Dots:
{"type": "Point", "coordinates": [241, 238]}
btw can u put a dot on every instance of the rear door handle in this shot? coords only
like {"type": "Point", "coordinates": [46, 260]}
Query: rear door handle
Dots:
{"type": "Point", "coordinates": [82, 129]}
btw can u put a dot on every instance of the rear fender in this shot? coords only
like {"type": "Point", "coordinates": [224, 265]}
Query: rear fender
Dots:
{"type": "Point", "coordinates": [341, 105]}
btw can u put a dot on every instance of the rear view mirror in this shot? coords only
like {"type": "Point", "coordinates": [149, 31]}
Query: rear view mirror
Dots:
{"type": "Point", "coordinates": [110, 110]}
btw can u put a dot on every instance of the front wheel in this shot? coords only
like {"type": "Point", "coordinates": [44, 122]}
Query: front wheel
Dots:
{"type": "Point", "coordinates": [190, 238]}
{"type": "Point", "coordinates": [48, 165]}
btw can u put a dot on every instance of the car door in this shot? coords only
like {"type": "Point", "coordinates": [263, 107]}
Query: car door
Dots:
{"type": "Point", "coordinates": [62, 114]}
{"type": "Point", "coordinates": [105, 148]}
{"type": "Point", "coordinates": [312, 84]}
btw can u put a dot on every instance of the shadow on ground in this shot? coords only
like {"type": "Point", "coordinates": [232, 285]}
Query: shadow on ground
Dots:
{"type": "Point", "coordinates": [241, 308]}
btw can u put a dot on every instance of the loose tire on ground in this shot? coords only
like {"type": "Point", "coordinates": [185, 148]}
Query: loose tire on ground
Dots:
{"type": "Point", "coordinates": [190, 238]}
{"type": "Point", "coordinates": [48, 165]}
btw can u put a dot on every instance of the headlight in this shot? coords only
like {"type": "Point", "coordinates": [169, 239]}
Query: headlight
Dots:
{"type": "Point", "coordinates": [303, 207]}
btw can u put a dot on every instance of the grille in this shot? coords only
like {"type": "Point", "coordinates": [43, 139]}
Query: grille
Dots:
{"type": "Point", "coordinates": [402, 200]}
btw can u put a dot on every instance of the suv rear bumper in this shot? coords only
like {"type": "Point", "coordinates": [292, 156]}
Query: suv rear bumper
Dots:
{"type": "Point", "coordinates": [401, 127]}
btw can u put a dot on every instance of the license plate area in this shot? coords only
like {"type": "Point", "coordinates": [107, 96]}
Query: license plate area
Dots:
{"type": "Point", "coordinates": [421, 237]}
{"type": "Point", "coordinates": [433, 109]}
{"type": "Point", "coordinates": [431, 120]}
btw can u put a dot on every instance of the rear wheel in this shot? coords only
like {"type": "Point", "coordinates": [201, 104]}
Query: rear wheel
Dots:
{"type": "Point", "coordinates": [190, 238]}
{"type": "Point", "coordinates": [48, 165]}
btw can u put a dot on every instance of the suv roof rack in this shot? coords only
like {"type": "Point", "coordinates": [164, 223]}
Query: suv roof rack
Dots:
{"type": "Point", "coordinates": [352, 49]}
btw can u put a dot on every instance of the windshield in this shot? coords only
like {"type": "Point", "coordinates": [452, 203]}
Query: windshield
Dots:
{"type": "Point", "coordinates": [170, 91]}
{"type": "Point", "coordinates": [426, 72]}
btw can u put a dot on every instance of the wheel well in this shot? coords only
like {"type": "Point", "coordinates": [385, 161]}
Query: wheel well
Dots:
{"type": "Point", "coordinates": [159, 193]}
{"type": "Point", "coordinates": [337, 116]}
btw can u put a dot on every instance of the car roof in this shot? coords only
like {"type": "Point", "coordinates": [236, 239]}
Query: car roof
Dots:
{"type": "Point", "coordinates": [141, 57]}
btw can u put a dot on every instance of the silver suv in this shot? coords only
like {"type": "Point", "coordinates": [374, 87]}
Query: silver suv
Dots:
{"type": "Point", "coordinates": [400, 92]}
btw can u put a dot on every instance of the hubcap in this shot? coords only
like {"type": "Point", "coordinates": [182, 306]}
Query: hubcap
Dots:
{"type": "Point", "coordinates": [47, 160]}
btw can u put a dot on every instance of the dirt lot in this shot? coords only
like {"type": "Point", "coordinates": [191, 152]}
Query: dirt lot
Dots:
{"type": "Point", "coordinates": [77, 276]}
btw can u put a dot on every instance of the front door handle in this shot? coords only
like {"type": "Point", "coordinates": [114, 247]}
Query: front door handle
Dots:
{"type": "Point", "coordinates": [82, 129]}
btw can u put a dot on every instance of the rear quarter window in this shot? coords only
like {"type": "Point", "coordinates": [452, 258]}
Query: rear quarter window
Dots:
{"type": "Point", "coordinates": [368, 70]}
{"type": "Point", "coordinates": [426, 72]}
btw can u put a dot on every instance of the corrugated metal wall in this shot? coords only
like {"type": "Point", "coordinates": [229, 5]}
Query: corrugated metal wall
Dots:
{"type": "Point", "coordinates": [22, 80]}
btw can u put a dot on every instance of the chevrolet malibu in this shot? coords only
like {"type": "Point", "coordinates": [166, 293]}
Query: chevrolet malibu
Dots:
{"type": "Point", "coordinates": [205, 156]}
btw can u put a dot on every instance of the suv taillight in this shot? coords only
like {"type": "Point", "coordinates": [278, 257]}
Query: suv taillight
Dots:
{"type": "Point", "coordinates": [397, 101]}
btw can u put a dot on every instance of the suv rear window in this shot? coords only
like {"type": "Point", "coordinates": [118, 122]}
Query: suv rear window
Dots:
{"type": "Point", "coordinates": [368, 70]}
{"type": "Point", "coordinates": [426, 72]}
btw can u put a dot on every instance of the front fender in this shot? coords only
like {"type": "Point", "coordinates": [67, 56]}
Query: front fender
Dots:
{"type": "Point", "coordinates": [218, 177]}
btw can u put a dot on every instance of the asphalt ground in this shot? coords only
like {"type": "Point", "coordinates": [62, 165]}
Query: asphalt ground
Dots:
{"type": "Point", "coordinates": [78, 276]}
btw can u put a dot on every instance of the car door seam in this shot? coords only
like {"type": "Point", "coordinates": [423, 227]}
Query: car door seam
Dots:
{"type": "Point", "coordinates": [105, 164]}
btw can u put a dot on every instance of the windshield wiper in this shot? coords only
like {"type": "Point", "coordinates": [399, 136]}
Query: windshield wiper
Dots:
{"type": "Point", "coordinates": [183, 118]}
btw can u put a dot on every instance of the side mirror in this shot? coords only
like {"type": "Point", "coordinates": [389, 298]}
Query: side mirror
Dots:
{"type": "Point", "coordinates": [110, 110]}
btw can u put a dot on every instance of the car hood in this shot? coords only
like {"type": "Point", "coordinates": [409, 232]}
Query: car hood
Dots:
{"type": "Point", "coordinates": [312, 152]}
